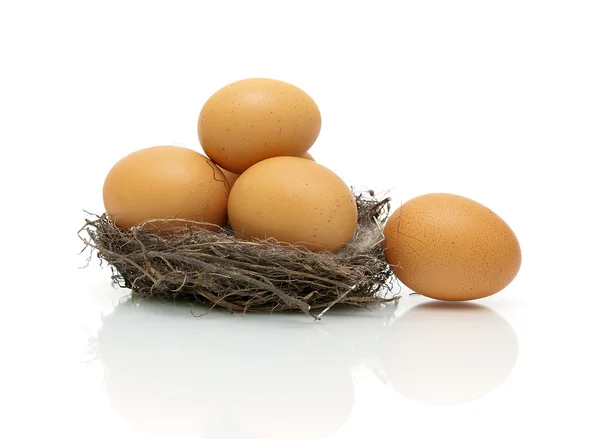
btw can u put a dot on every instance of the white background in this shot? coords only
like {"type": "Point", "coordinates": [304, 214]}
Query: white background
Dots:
{"type": "Point", "coordinates": [494, 100]}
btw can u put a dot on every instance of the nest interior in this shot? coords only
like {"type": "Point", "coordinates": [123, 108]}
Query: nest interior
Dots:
{"type": "Point", "coordinates": [215, 268]}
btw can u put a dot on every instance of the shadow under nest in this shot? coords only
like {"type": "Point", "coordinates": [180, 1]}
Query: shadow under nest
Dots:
{"type": "Point", "coordinates": [215, 268]}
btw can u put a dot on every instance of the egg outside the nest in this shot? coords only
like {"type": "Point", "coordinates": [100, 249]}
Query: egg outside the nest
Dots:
{"type": "Point", "coordinates": [449, 247]}
{"type": "Point", "coordinates": [165, 183]}
{"type": "Point", "coordinates": [293, 200]}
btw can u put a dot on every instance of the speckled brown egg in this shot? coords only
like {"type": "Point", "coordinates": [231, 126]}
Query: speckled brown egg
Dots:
{"type": "Point", "coordinates": [255, 119]}
{"type": "Point", "coordinates": [293, 200]}
{"type": "Point", "coordinates": [165, 182]}
{"type": "Point", "coordinates": [449, 247]}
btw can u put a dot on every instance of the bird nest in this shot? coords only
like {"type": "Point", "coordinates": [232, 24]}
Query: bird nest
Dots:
{"type": "Point", "coordinates": [215, 268]}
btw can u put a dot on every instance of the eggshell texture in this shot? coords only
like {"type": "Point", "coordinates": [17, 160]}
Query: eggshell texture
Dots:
{"type": "Point", "coordinates": [449, 247]}
{"type": "Point", "coordinates": [164, 182]}
{"type": "Point", "coordinates": [293, 200]}
{"type": "Point", "coordinates": [232, 178]}
{"type": "Point", "coordinates": [255, 119]}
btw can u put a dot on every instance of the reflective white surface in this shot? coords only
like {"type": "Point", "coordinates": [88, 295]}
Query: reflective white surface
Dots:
{"type": "Point", "coordinates": [168, 372]}
{"type": "Point", "coordinates": [449, 353]}
{"type": "Point", "coordinates": [496, 101]}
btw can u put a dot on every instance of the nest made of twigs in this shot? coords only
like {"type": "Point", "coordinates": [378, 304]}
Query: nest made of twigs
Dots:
{"type": "Point", "coordinates": [216, 268]}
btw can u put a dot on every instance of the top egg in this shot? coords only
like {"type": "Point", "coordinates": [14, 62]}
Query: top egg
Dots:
{"type": "Point", "coordinates": [254, 119]}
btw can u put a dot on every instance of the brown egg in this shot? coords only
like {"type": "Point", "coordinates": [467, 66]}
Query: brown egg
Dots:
{"type": "Point", "coordinates": [449, 247]}
{"type": "Point", "coordinates": [255, 119]}
{"type": "Point", "coordinates": [231, 177]}
{"type": "Point", "coordinates": [164, 182]}
{"type": "Point", "coordinates": [293, 200]}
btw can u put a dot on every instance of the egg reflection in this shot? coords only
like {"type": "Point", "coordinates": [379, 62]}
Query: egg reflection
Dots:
{"type": "Point", "coordinates": [449, 353]}
{"type": "Point", "coordinates": [152, 376]}
{"type": "Point", "coordinates": [170, 373]}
